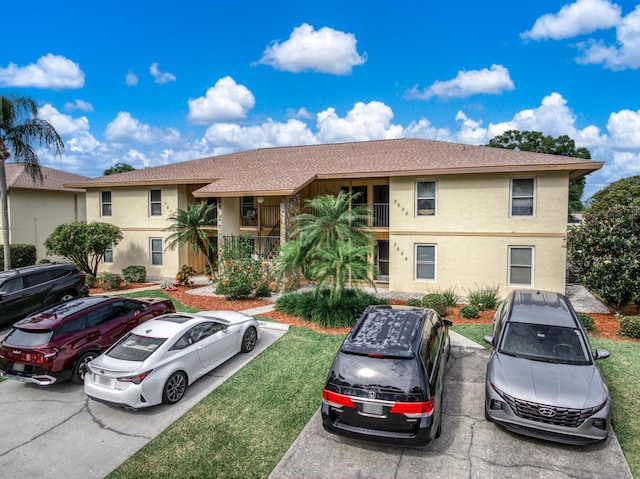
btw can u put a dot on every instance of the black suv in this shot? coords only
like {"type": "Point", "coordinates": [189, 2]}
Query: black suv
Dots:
{"type": "Point", "coordinates": [385, 384]}
{"type": "Point", "coordinates": [25, 290]}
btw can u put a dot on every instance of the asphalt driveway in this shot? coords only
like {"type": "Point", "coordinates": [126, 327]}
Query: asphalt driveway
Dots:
{"type": "Point", "coordinates": [470, 447]}
{"type": "Point", "coordinates": [56, 431]}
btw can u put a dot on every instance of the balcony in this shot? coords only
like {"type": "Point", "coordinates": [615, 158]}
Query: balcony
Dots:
{"type": "Point", "coordinates": [266, 247]}
{"type": "Point", "coordinates": [267, 216]}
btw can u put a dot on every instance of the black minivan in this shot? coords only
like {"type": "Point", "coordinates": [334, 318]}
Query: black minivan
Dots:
{"type": "Point", "coordinates": [386, 381]}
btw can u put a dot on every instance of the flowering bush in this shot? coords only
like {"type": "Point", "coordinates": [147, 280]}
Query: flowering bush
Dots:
{"type": "Point", "coordinates": [184, 276]}
{"type": "Point", "coordinates": [170, 285]}
{"type": "Point", "coordinates": [241, 272]}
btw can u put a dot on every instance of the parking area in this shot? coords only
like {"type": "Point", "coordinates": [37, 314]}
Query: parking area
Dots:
{"type": "Point", "coordinates": [470, 447]}
{"type": "Point", "coordinates": [56, 431]}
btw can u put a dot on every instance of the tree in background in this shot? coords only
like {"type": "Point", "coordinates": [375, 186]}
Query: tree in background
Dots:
{"type": "Point", "coordinates": [118, 168]}
{"type": "Point", "coordinates": [537, 142]}
{"type": "Point", "coordinates": [19, 128]}
{"type": "Point", "coordinates": [605, 254]}
{"type": "Point", "coordinates": [191, 226]}
{"type": "Point", "coordinates": [622, 192]}
{"type": "Point", "coordinates": [333, 243]}
{"type": "Point", "coordinates": [83, 243]}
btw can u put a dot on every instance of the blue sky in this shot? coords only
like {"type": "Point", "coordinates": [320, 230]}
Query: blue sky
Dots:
{"type": "Point", "coordinates": [155, 82]}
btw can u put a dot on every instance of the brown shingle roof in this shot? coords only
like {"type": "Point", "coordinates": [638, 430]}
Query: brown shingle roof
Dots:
{"type": "Point", "coordinates": [53, 180]}
{"type": "Point", "coordinates": [272, 171]}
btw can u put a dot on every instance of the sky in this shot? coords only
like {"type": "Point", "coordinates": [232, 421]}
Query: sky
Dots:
{"type": "Point", "coordinates": [149, 83]}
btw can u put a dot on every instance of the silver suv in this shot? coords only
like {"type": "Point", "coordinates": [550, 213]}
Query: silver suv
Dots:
{"type": "Point", "coordinates": [25, 290]}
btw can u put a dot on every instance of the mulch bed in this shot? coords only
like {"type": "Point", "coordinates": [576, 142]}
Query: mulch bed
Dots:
{"type": "Point", "coordinates": [605, 325]}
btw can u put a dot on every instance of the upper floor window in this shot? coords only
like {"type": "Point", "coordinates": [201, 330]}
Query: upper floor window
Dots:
{"type": "Point", "coordinates": [105, 203]}
{"type": "Point", "coordinates": [426, 198]}
{"type": "Point", "coordinates": [522, 196]}
{"type": "Point", "coordinates": [521, 265]}
{"type": "Point", "coordinates": [155, 202]}
{"type": "Point", "coordinates": [156, 251]}
{"type": "Point", "coordinates": [426, 261]}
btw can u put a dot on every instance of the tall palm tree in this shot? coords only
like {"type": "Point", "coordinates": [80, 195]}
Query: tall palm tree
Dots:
{"type": "Point", "coordinates": [19, 127]}
{"type": "Point", "coordinates": [189, 227]}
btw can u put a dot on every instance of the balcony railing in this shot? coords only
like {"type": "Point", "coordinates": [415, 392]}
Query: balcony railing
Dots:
{"type": "Point", "coordinates": [379, 213]}
{"type": "Point", "coordinates": [265, 247]}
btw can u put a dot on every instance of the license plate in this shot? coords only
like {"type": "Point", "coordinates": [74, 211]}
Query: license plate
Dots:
{"type": "Point", "coordinates": [19, 367]}
{"type": "Point", "coordinates": [103, 380]}
{"type": "Point", "coordinates": [369, 408]}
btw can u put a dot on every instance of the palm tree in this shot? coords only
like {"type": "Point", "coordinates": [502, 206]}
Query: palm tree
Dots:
{"type": "Point", "coordinates": [19, 127]}
{"type": "Point", "coordinates": [189, 226]}
{"type": "Point", "coordinates": [333, 242]}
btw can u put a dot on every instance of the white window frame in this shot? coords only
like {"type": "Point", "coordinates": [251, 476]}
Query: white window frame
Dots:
{"type": "Point", "coordinates": [152, 252]}
{"type": "Point", "coordinates": [108, 251]}
{"type": "Point", "coordinates": [157, 202]}
{"type": "Point", "coordinates": [434, 198]}
{"type": "Point", "coordinates": [417, 263]}
{"type": "Point", "coordinates": [529, 266]}
{"type": "Point", "coordinates": [513, 197]}
{"type": "Point", "coordinates": [105, 203]}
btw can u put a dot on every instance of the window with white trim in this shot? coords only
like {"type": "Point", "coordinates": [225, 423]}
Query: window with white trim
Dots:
{"type": "Point", "coordinates": [105, 203]}
{"type": "Point", "coordinates": [425, 262]}
{"type": "Point", "coordinates": [155, 246]}
{"type": "Point", "coordinates": [521, 265]}
{"type": "Point", "coordinates": [425, 198]}
{"type": "Point", "coordinates": [108, 255]}
{"type": "Point", "coordinates": [155, 202]}
{"type": "Point", "coordinates": [523, 196]}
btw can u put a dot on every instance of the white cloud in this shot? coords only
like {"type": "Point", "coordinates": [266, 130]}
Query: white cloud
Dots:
{"type": "Point", "coordinates": [325, 51]}
{"type": "Point", "coordinates": [160, 77]}
{"type": "Point", "coordinates": [579, 18]}
{"type": "Point", "coordinates": [299, 113]}
{"type": "Point", "coordinates": [365, 121]}
{"type": "Point", "coordinates": [126, 129]}
{"type": "Point", "coordinates": [131, 79]}
{"type": "Point", "coordinates": [232, 137]}
{"type": "Point", "coordinates": [50, 71]}
{"type": "Point", "coordinates": [486, 81]}
{"type": "Point", "coordinates": [78, 105]}
{"type": "Point", "coordinates": [625, 54]}
{"type": "Point", "coordinates": [226, 101]}
{"type": "Point", "coordinates": [65, 125]}
{"type": "Point", "coordinates": [624, 128]}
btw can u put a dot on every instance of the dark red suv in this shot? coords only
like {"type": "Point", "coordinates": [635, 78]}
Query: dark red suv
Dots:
{"type": "Point", "coordinates": [56, 343]}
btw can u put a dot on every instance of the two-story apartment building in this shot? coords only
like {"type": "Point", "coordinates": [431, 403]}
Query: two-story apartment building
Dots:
{"type": "Point", "coordinates": [37, 208]}
{"type": "Point", "coordinates": [445, 215]}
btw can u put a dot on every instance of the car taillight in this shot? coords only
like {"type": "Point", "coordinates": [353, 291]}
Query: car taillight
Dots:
{"type": "Point", "coordinates": [337, 400]}
{"type": "Point", "coordinates": [41, 355]}
{"type": "Point", "coordinates": [137, 379]}
{"type": "Point", "coordinates": [414, 409]}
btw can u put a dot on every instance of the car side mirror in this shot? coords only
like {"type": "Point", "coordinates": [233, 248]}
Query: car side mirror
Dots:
{"type": "Point", "coordinates": [488, 340]}
{"type": "Point", "coordinates": [601, 354]}
{"type": "Point", "coordinates": [447, 322]}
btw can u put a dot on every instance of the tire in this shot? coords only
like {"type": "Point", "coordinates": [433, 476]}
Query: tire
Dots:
{"type": "Point", "coordinates": [66, 296]}
{"type": "Point", "coordinates": [174, 388]}
{"type": "Point", "coordinates": [79, 367]}
{"type": "Point", "coordinates": [249, 340]}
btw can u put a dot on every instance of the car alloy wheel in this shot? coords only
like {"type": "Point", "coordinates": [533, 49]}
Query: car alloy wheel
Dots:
{"type": "Point", "coordinates": [174, 388]}
{"type": "Point", "coordinates": [249, 340]}
{"type": "Point", "coordinates": [80, 368]}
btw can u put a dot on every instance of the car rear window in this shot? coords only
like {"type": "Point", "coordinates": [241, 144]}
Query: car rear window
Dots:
{"type": "Point", "coordinates": [392, 379]}
{"type": "Point", "coordinates": [135, 348]}
{"type": "Point", "coordinates": [21, 337]}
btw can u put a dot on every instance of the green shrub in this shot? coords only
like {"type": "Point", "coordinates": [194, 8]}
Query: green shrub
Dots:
{"type": "Point", "coordinates": [437, 302]}
{"type": "Point", "coordinates": [469, 311]}
{"type": "Point", "coordinates": [587, 321]}
{"type": "Point", "coordinates": [630, 326]}
{"type": "Point", "coordinates": [487, 297]}
{"type": "Point", "coordinates": [134, 274]}
{"type": "Point", "coordinates": [20, 254]}
{"type": "Point", "coordinates": [109, 281]}
{"type": "Point", "coordinates": [262, 291]}
{"type": "Point", "coordinates": [316, 307]}
{"type": "Point", "coordinates": [184, 275]}
{"type": "Point", "coordinates": [414, 302]}
{"type": "Point", "coordinates": [450, 295]}
{"type": "Point", "coordinates": [90, 280]}
{"type": "Point", "coordinates": [240, 271]}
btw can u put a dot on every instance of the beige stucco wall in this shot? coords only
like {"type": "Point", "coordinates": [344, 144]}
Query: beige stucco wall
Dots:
{"type": "Point", "coordinates": [130, 212]}
{"type": "Point", "coordinates": [34, 214]}
{"type": "Point", "coordinates": [472, 231]}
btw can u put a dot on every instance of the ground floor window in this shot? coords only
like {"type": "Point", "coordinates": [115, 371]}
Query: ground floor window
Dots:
{"type": "Point", "coordinates": [425, 255]}
{"type": "Point", "coordinates": [156, 251]}
{"type": "Point", "coordinates": [108, 255]}
{"type": "Point", "coordinates": [521, 265]}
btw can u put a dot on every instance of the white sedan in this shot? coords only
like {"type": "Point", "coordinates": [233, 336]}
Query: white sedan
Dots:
{"type": "Point", "coordinates": [156, 361]}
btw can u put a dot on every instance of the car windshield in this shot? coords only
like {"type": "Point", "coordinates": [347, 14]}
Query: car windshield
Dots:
{"type": "Point", "coordinates": [135, 348]}
{"type": "Point", "coordinates": [545, 343]}
{"type": "Point", "coordinates": [21, 337]}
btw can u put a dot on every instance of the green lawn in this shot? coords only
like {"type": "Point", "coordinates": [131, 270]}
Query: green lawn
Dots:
{"type": "Point", "coordinates": [244, 427]}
